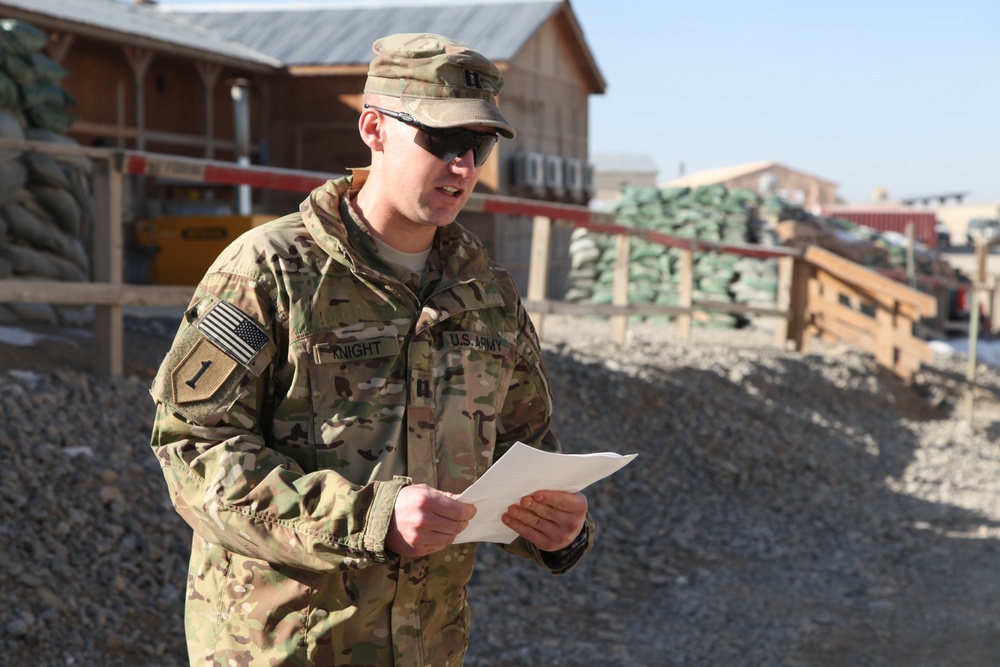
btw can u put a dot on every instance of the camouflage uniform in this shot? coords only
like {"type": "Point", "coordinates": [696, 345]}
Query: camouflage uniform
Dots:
{"type": "Point", "coordinates": [309, 381]}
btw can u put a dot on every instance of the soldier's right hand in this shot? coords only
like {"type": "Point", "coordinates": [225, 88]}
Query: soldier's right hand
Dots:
{"type": "Point", "coordinates": [425, 520]}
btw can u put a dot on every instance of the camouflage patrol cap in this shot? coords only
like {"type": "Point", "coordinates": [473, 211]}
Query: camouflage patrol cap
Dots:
{"type": "Point", "coordinates": [440, 82]}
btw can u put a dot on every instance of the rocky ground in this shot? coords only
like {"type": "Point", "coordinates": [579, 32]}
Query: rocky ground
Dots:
{"type": "Point", "coordinates": [784, 510]}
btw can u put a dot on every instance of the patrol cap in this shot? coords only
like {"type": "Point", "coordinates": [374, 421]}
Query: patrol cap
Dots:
{"type": "Point", "coordinates": [439, 82]}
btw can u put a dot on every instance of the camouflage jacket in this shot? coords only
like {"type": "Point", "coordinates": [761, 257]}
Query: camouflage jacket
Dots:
{"type": "Point", "coordinates": [308, 382]}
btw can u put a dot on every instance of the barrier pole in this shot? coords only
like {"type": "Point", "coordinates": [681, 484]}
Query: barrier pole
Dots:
{"type": "Point", "coordinates": [109, 258]}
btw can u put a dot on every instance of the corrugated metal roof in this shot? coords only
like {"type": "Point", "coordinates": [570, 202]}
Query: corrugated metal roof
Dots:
{"type": "Point", "coordinates": [344, 36]}
{"type": "Point", "coordinates": [137, 20]}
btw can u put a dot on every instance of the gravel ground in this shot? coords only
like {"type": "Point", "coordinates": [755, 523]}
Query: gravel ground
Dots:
{"type": "Point", "coordinates": [785, 510]}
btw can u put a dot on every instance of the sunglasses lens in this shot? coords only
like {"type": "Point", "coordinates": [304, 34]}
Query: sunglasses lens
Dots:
{"type": "Point", "coordinates": [448, 145]}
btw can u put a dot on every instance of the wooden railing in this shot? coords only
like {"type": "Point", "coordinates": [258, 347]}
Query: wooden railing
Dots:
{"type": "Point", "coordinates": [818, 293]}
{"type": "Point", "coordinates": [838, 300]}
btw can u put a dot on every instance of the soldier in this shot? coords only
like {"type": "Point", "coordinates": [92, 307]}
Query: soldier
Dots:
{"type": "Point", "coordinates": [342, 374]}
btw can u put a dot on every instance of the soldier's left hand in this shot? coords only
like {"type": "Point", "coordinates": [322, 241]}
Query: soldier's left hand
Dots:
{"type": "Point", "coordinates": [549, 519]}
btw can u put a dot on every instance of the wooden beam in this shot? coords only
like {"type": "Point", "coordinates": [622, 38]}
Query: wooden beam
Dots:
{"type": "Point", "coordinates": [538, 271]}
{"type": "Point", "coordinates": [59, 45]}
{"type": "Point", "coordinates": [99, 294]}
{"type": "Point", "coordinates": [856, 274]}
{"type": "Point", "coordinates": [209, 75]}
{"type": "Point", "coordinates": [619, 289]}
{"type": "Point", "coordinates": [685, 293]}
{"type": "Point", "coordinates": [138, 61]}
{"type": "Point", "coordinates": [783, 300]}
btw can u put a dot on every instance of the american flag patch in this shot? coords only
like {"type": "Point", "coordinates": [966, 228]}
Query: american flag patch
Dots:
{"type": "Point", "coordinates": [235, 333]}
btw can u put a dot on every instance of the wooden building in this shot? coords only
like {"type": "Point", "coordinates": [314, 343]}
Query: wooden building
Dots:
{"type": "Point", "coordinates": [159, 79]}
{"type": "Point", "coordinates": [765, 178]}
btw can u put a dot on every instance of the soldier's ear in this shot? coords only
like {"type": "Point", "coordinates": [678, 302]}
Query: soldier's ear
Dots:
{"type": "Point", "coordinates": [371, 126]}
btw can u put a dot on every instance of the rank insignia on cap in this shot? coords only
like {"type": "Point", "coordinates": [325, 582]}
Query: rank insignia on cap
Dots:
{"type": "Point", "coordinates": [233, 332]}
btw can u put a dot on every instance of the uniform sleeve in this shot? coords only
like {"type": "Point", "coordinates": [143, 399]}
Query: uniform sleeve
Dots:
{"type": "Point", "coordinates": [526, 417]}
{"type": "Point", "coordinates": [213, 393]}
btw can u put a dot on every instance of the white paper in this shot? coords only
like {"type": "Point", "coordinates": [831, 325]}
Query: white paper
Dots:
{"type": "Point", "coordinates": [521, 471]}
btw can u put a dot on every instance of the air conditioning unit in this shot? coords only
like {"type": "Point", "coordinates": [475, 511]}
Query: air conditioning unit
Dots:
{"type": "Point", "coordinates": [529, 170]}
{"type": "Point", "coordinates": [554, 172]}
{"type": "Point", "coordinates": [588, 179]}
{"type": "Point", "coordinates": [573, 176]}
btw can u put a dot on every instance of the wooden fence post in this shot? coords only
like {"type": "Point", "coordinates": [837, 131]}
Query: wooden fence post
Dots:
{"type": "Point", "coordinates": [538, 269]}
{"type": "Point", "coordinates": [783, 301]}
{"type": "Point", "coordinates": [619, 290]}
{"type": "Point", "coordinates": [109, 256]}
{"type": "Point", "coordinates": [685, 297]}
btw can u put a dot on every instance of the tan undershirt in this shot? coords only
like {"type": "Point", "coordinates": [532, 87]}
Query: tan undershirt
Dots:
{"type": "Point", "coordinates": [415, 262]}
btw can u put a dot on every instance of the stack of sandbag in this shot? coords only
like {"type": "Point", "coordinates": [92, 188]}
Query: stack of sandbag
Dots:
{"type": "Point", "coordinates": [45, 200]}
{"type": "Point", "coordinates": [862, 245]}
{"type": "Point", "coordinates": [711, 213]}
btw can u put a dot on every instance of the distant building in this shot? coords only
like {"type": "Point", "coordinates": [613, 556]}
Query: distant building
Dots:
{"type": "Point", "coordinates": [614, 171]}
{"type": "Point", "coordinates": [766, 178]}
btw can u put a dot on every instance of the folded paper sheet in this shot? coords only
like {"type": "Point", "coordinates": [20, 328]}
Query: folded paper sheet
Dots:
{"type": "Point", "coordinates": [522, 471]}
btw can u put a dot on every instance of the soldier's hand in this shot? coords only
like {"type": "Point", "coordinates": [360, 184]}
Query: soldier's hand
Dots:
{"type": "Point", "coordinates": [549, 519]}
{"type": "Point", "coordinates": [425, 520]}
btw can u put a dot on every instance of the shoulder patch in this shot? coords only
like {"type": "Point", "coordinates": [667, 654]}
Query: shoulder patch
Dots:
{"type": "Point", "coordinates": [201, 373]}
{"type": "Point", "coordinates": [233, 332]}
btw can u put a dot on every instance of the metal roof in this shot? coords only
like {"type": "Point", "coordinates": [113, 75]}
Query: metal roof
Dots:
{"type": "Point", "coordinates": [134, 21]}
{"type": "Point", "coordinates": [344, 35]}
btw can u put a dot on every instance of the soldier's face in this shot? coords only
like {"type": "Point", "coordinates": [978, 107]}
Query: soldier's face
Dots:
{"type": "Point", "coordinates": [426, 190]}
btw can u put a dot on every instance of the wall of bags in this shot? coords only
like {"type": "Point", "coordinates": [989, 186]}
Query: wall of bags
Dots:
{"type": "Point", "coordinates": [45, 200]}
{"type": "Point", "coordinates": [711, 213]}
{"type": "Point", "coordinates": [715, 213]}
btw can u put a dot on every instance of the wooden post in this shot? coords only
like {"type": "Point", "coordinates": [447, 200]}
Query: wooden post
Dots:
{"type": "Point", "coordinates": [619, 290]}
{"type": "Point", "coordinates": [995, 305]}
{"type": "Point", "coordinates": [209, 74]}
{"type": "Point", "coordinates": [538, 269]}
{"type": "Point", "coordinates": [911, 271]}
{"type": "Point", "coordinates": [686, 296]}
{"type": "Point", "coordinates": [59, 46]}
{"type": "Point", "coordinates": [139, 60]}
{"type": "Point", "coordinates": [783, 301]}
{"type": "Point", "coordinates": [977, 288]}
{"type": "Point", "coordinates": [799, 322]}
{"type": "Point", "coordinates": [108, 253]}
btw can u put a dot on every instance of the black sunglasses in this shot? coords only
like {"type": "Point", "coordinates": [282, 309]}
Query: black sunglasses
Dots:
{"type": "Point", "coordinates": [446, 143]}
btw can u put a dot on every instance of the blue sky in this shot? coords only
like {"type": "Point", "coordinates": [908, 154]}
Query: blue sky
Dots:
{"type": "Point", "coordinates": [904, 95]}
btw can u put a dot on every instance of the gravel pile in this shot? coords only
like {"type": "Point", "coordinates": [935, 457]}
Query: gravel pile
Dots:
{"type": "Point", "coordinates": [784, 509]}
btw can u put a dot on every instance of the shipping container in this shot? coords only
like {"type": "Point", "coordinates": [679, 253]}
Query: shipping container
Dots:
{"type": "Point", "coordinates": [889, 220]}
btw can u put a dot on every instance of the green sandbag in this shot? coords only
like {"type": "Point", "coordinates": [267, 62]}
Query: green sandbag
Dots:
{"type": "Point", "coordinates": [27, 35]}
{"type": "Point", "coordinates": [13, 177]}
{"type": "Point", "coordinates": [34, 313]}
{"type": "Point", "coordinates": [30, 262]}
{"type": "Point", "coordinates": [81, 162]}
{"type": "Point", "coordinates": [585, 256]}
{"type": "Point", "coordinates": [45, 95]}
{"type": "Point", "coordinates": [44, 170]}
{"type": "Point", "coordinates": [53, 120]}
{"type": "Point", "coordinates": [670, 194]}
{"type": "Point", "coordinates": [46, 68]}
{"type": "Point", "coordinates": [577, 294]}
{"type": "Point", "coordinates": [18, 69]}
{"type": "Point", "coordinates": [8, 92]}
{"type": "Point", "coordinates": [62, 206]}
{"type": "Point", "coordinates": [11, 125]}
{"type": "Point", "coordinates": [43, 235]}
